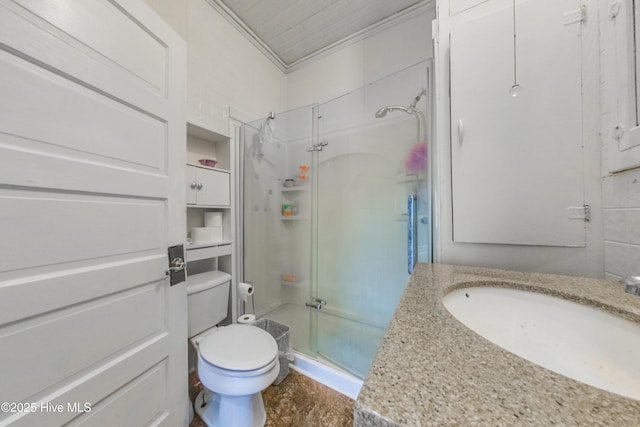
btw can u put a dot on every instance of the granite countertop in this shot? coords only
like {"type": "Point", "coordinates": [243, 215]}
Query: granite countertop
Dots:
{"type": "Point", "coordinates": [431, 370]}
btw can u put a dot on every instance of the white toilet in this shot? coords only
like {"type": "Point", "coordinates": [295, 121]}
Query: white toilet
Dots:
{"type": "Point", "coordinates": [235, 362]}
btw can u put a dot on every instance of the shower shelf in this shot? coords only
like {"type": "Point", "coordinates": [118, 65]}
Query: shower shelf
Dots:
{"type": "Point", "coordinates": [297, 284]}
{"type": "Point", "coordinates": [291, 189]}
{"type": "Point", "coordinates": [294, 218]}
{"type": "Point", "coordinates": [403, 179]}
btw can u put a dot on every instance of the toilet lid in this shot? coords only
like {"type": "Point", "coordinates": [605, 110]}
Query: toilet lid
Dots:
{"type": "Point", "coordinates": [239, 347]}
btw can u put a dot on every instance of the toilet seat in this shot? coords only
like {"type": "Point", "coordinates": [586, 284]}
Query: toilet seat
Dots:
{"type": "Point", "coordinates": [243, 349]}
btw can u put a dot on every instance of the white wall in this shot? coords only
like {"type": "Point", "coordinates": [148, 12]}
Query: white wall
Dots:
{"type": "Point", "coordinates": [223, 68]}
{"type": "Point", "coordinates": [226, 70]}
{"type": "Point", "coordinates": [362, 62]}
{"type": "Point", "coordinates": [174, 12]}
{"type": "Point", "coordinates": [621, 193]}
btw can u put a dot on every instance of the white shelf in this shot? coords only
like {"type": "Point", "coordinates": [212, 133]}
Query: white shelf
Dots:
{"type": "Point", "coordinates": [191, 246]}
{"type": "Point", "coordinates": [198, 165]}
{"type": "Point", "coordinates": [294, 218]}
{"type": "Point", "coordinates": [205, 251]}
{"type": "Point", "coordinates": [291, 189]}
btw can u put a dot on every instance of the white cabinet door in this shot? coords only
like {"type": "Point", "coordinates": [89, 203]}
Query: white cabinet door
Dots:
{"type": "Point", "coordinates": [92, 142]}
{"type": "Point", "coordinates": [517, 170]}
{"type": "Point", "coordinates": [621, 72]}
{"type": "Point", "coordinates": [215, 188]}
{"type": "Point", "coordinates": [212, 187]}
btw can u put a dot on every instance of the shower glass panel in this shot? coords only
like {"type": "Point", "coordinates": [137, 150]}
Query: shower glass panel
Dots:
{"type": "Point", "coordinates": [325, 191]}
{"type": "Point", "coordinates": [370, 166]}
{"type": "Point", "coordinates": [277, 220]}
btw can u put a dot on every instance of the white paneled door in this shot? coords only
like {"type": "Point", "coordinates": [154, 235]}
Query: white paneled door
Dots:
{"type": "Point", "coordinates": [92, 136]}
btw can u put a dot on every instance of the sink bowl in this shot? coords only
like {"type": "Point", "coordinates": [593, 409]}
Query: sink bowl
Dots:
{"type": "Point", "coordinates": [581, 342]}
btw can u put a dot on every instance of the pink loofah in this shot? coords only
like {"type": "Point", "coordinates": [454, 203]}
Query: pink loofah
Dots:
{"type": "Point", "coordinates": [416, 160]}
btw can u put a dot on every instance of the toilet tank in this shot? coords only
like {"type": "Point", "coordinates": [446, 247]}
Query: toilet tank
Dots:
{"type": "Point", "coordinates": [208, 300]}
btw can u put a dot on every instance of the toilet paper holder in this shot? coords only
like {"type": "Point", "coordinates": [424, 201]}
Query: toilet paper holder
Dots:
{"type": "Point", "coordinates": [249, 296]}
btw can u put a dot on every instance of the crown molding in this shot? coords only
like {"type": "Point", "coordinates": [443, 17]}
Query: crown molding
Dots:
{"type": "Point", "coordinates": [382, 25]}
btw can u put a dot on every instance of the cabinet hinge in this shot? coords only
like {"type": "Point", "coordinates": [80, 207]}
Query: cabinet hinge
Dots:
{"type": "Point", "coordinates": [618, 132]}
{"type": "Point", "coordinates": [579, 212]}
{"type": "Point", "coordinates": [614, 8]}
{"type": "Point", "coordinates": [573, 16]}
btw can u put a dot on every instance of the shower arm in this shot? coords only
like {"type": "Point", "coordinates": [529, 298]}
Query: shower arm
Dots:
{"type": "Point", "coordinates": [416, 112]}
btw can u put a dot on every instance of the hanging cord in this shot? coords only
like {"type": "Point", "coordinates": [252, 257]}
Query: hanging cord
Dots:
{"type": "Point", "coordinates": [515, 62]}
{"type": "Point", "coordinates": [515, 89]}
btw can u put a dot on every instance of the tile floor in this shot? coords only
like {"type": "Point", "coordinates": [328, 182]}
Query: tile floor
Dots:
{"type": "Point", "coordinates": [296, 402]}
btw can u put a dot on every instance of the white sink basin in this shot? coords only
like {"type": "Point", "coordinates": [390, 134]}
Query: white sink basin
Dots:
{"type": "Point", "coordinates": [578, 341]}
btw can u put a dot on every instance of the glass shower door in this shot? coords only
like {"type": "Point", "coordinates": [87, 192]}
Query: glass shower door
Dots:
{"type": "Point", "coordinates": [361, 219]}
{"type": "Point", "coordinates": [276, 207]}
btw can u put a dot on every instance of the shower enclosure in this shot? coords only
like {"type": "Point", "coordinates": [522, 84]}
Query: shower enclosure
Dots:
{"type": "Point", "coordinates": [327, 228]}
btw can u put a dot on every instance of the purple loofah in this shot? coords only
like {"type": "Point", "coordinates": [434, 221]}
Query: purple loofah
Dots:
{"type": "Point", "coordinates": [416, 160]}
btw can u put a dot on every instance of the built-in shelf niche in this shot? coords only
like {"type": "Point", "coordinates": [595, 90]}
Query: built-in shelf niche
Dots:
{"type": "Point", "coordinates": [205, 144]}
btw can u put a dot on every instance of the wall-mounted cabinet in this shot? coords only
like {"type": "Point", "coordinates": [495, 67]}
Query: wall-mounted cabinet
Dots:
{"type": "Point", "coordinates": [210, 243]}
{"type": "Point", "coordinates": [517, 162]}
{"type": "Point", "coordinates": [620, 55]}
{"type": "Point", "coordinates": [207, 186]}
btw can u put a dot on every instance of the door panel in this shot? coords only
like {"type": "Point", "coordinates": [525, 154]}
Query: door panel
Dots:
{"type": "Point", "coordinates": [72, 229]}
{"type": "Point", "coordinates": [151, 384]}
{"type": "Point", "coordinates": [112, 125]}
{"type": "Point", "coordinates": [92, 143]}
{"type": "Point", "coordinates": [140, 317]}
{"type": "Point", "coordinates": [145, 56]}
{"type": "Point", "coordinates": [25, 32]}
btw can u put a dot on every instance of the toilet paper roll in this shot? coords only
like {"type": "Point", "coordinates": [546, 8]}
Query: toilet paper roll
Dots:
{"type": "Point", "coordinates": [213, 219]}
{"type": "Point", "coordinates": [200, 235]}
{"type": "Point", "coordinates": [247, 319]}
{"type": "Point", "coordinates": [245, 290]}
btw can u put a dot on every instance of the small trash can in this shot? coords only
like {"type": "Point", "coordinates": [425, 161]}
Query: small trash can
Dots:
{"type": "Point", "coordinates": [281, 334]}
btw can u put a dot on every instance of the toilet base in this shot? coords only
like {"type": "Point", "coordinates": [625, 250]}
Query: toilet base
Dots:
{"type": "Point", "coordinates": [230, 411]}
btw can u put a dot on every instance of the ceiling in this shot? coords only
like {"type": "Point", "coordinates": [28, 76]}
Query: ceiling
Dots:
{"type": "Point", "coordinates": [291, 32]}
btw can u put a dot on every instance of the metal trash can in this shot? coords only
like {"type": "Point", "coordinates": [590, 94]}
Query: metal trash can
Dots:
{"type": "Point", "coordinates": [281, 334]}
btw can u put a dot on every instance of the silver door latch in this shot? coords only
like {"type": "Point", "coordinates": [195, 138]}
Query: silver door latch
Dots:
{"type": "Point", "coordinates": [177, 266]}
